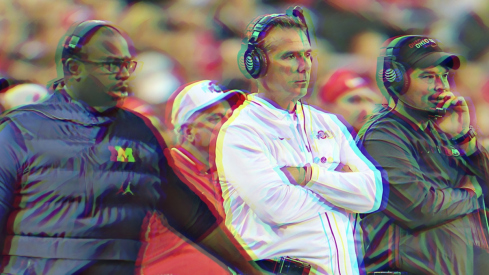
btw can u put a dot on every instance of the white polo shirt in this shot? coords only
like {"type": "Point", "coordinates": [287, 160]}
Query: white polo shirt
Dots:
{"type": "Point", "coordinates": [273, 218]}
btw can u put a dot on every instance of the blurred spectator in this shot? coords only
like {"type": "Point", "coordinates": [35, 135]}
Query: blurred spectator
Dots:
{"type": "Point", "coordinates": [198, 110]}
{"type": "Point", "coordinates": [22, 94]}
{"type": "Point", "coordinates": [15, 93]}
{"type": "Point", "coordinates": [108, 10]}
{"type": "Point", "coordinates": [348, 94]}
{"type": "Point", "coordinates": [157, 79]}
{"type": "Point", "coordinates": [472, 32]}
{"type": "Point", "coordinates": [482, 110]}
{"type": "Point", "coordinates": [200, 36]}
{"type": "Point", "coordinates": [145, 22]}
{"type": "Point", "coordinates": [365, 48]}
{"type": "Point", "coordinates": [339, 21]}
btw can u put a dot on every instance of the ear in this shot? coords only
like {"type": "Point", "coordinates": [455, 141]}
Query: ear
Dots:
{"type": "Point", "coordinates": [74, 66]}
{"type": "Point", "coordinates": [187, 133]}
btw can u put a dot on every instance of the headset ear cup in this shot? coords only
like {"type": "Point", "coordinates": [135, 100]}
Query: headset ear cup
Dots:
{"type": "Point", "coordinates": [398, 78]}
{"type": "Point", "coordinates": [251, 62]}
{"type": "Point", "coordinates": [403, 82]}
{"type": "Point", "coordinates": [385, 76]}
{"type": "Point", "coordinates": [393, 77]}
{"type": "Point", "coordinates": [255, 62]}
{"type": "Point", "coordinates": [262, 57]}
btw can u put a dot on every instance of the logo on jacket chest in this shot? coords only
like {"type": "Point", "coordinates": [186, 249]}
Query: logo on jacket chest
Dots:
{"type": "Point", "coordinates": [118, 153]}
{"type": "Point", "coordinates": [324, 134]}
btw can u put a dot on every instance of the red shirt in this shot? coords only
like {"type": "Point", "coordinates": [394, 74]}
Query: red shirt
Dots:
{"type": "Point", "coordinates": [167, 251]}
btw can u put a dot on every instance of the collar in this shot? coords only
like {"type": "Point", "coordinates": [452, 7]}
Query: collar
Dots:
{"type": "Point", "coordinates": [185, 156]}
{"type": "Point", "coordinates": [269, 108]}
{"type": "Point", "coordinates": [60, 106]}
{"type": "Point", "coordinates": [416, 119]}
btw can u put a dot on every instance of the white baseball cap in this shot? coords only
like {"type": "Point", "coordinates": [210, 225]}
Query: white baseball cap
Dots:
{"type": "Point", "coordinates": [194, 97]}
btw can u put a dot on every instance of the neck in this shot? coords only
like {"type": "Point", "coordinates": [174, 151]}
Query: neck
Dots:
{"type": "Point", "coordinates": [287, 104]}
{"type": "Point", "coordinates": [199, 154]}
{"type": "Point", "coordinates": [74, 92]}
{"type": "Point", "coordinates": [418, 117]}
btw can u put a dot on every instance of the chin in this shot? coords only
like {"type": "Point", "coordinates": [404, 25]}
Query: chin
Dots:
{"type": "Point", "coordinates": [303, 92]}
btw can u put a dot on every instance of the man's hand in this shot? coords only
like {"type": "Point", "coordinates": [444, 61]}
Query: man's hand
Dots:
{"type": "Point", "coordinates": [456, 121]}
{"type": "Point", "coordinates": [296, 175]}
{"type": "Point", "coordinates": [472, 187]}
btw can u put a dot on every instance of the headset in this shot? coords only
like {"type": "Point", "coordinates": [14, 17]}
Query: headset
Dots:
{"type": "Point", "coordinates": [255, 59]}
{"type": "Point", "coordinates": [392, 78]}
{"type": "Point", "coordinates": [74, 42]}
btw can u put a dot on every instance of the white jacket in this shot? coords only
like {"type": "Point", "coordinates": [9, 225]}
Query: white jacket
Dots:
{"type": "Point", "coordinates": [273, 218]}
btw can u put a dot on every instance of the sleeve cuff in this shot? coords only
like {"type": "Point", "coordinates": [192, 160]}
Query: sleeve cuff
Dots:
{"type": "Point", "coordinates": [314, 174]}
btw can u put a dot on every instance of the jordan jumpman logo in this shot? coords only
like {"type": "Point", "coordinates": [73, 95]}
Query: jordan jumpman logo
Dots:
{"type": "Point", "coordinates": [125, 191]}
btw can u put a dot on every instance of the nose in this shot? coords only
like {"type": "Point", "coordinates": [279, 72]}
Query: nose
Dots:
{"type": "Point", "coordinates": [442, 84]}
{"type": "Point", "coordinates": [305, 63]}
{"type": "Point", "coordinates": [123, 74]}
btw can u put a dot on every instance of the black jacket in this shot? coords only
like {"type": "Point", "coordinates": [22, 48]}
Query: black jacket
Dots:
{"type": "Point", "coordinates": [79, 184]}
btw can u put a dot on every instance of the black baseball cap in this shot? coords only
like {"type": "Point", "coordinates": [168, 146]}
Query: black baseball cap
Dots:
{"type": "Point", "coordinates": [423, 52]}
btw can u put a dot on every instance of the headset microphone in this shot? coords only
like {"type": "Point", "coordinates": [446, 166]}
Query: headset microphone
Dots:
{"type": "Point", "coordinates": [401, 53]}
{"type": "Point", "coordinates": [436, 112]}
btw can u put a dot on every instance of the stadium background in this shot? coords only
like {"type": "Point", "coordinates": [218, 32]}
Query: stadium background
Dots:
{"type": "Point", "coordinates": [179, 41]}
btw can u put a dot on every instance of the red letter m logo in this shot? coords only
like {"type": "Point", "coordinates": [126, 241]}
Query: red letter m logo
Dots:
{"type": "Point", "coordinates": [120, 154]}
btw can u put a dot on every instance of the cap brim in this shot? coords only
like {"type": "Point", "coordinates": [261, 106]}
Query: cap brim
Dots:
{"type": "Point", "coordinates": [220, 97]}
{"type": "Point", "coordinates": [438, 58]}
{"type": "Point", "coordinates": [225, 95]}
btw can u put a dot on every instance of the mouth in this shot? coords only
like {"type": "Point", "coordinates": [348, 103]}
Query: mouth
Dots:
{"type": "Point", "coordinates": [435, 99]}
{"type": "Point", "coordinates": [301, 82]}
{"type": "Point", "coordinates": [119, 91]}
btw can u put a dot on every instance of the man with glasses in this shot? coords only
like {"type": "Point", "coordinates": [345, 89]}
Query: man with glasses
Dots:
{"type": "Point", "coordinates": [81, 179]}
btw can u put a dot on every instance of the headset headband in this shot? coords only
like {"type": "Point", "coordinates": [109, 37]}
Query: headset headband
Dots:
{"type": "Point", "coordinates": [254, 59]}
{"type": "Point", "coordinates": [263, 24]}
{"type": "Point", "coordinates": [298, 12]}
{"type": "Point", "coordinates": [73, 41]}
{"type": "Point", "coordinates": [392, 49]}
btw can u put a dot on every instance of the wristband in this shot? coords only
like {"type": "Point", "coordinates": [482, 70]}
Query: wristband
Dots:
{"type": "Point", "coordinates": [308, 176]}
{"type": "Point", "coordinates": [466, 137]}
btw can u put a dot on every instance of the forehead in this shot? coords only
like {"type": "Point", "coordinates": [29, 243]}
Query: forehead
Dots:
{"type": "Point", "coordinates": [287, 39]}
{"type": "Point", "coordinates": [431, 70]}
{"type": "Point", "coordinates": [218, 107]}
{"type": "Point", "coordinates": [106, 43]}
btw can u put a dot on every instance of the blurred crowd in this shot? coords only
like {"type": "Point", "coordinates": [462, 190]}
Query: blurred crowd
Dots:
{"type": "Point", "coordinates": [180, 41]}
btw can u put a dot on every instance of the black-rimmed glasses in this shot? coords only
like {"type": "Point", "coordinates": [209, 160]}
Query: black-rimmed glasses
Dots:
{"type": "Point", "coordinates": [114, 67]}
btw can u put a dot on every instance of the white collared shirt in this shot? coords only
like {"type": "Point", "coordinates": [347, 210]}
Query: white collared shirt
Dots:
{"type": "Point", "coordinates": [273, 218]}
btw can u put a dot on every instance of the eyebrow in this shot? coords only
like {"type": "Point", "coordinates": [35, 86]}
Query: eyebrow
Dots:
{"type": "Point", "coordinates": [118, 58]}
{"type": "Point", "coordinates": [306, 51]}
{"type": "Point", "coordinates": [432, 72]}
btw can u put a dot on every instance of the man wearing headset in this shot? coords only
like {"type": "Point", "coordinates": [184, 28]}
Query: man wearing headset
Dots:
{"type": "Point", "coordinates": [80, 178]}
{"type": "Point", "coordinates": [291, 176]}
{"type": "Point", "coordinates": [434, 222]}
